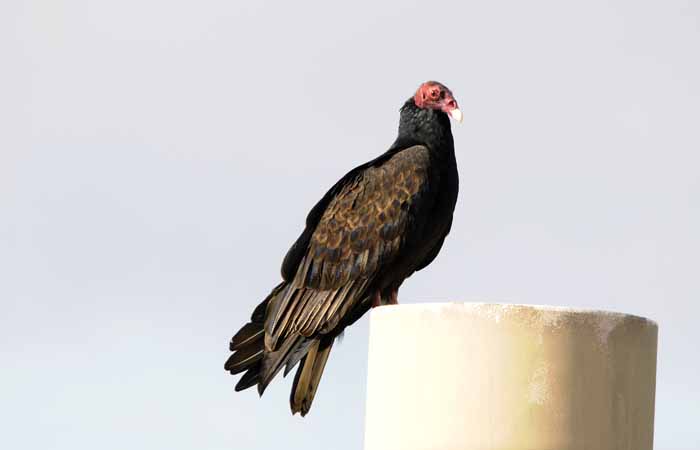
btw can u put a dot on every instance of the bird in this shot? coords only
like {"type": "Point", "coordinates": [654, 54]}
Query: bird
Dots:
{"type": "Point", "coordinates": [381, 222]}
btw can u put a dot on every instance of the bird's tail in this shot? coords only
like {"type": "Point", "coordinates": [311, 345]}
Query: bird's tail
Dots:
{"type": "Point", "coordinates": [261, 365]}
{"type": "Point", "coordinates": [248, 347]}
{"type": "Point", "coordinates": [308, 375]}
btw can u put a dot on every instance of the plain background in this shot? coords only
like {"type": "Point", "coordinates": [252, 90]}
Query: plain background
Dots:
{"type": "Point", "coordinates": [157, 158]}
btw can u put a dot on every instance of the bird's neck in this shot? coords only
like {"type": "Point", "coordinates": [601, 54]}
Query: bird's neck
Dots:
{"type": "Point", "coordinates": [427, 127]}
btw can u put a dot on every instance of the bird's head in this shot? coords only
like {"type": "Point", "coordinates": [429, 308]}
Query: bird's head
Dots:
{"type": "Point", "coordinates": [434, 95]}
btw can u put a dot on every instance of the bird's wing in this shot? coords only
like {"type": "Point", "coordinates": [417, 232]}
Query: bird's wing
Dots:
{"type": "Point", "coordinates": [300, 246]}
{"type": "Point", "coordinates": [359, 232]}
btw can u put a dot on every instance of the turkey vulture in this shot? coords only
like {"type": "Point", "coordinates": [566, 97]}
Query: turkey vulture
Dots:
{"type": "Point", "coordinates": [381, 222]}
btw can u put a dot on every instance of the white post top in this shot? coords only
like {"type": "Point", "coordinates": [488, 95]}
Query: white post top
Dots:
{"type": "Point", "coordinates": [453, 376]}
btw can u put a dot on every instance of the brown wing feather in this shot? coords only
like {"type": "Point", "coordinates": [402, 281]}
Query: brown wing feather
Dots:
{"type": "Point", "coordinates": [364, 224]}
{"type": "Point", "coordinates": [360, 232]}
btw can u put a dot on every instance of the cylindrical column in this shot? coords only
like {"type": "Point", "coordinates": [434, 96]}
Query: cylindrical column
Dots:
{"type": "Point", "coordinates": [456, 376]}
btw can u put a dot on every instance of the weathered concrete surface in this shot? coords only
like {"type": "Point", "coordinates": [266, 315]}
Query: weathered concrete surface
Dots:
{"type": "Point", "coordinates": [455, 376]}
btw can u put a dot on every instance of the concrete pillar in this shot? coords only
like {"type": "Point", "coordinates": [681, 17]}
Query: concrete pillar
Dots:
{"type": "Point", "coordinates": [456, 376]}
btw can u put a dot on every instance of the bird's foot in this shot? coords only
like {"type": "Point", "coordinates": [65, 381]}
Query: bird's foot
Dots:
{"type": "Point", "coordinates": [394, 297]}
{"type": "Point", "coordinates": [376, 300]}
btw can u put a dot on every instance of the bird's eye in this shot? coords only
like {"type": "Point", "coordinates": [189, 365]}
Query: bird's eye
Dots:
{"type": "Point", "coordinates": [435, 93]}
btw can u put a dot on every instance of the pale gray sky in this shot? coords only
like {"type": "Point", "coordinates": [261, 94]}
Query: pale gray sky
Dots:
{"type": "Point", "coordinates": [157, 158]}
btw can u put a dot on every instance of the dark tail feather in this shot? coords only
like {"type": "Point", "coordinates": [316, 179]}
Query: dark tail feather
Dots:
{"type": "Point", "coordinates": [248, 347]}
{"type": "Point", "coordinates": [274, 361]}
{"type": "Point", "coordinates": [261, 365]}
{"type": "Point", "coordinates": [247, 335]}
{"type": "Point", "coordinates": [244, 358]}
{"type": "Point", "coordinates": [308, 376]}
{"type": "Point", "coordinates": [299, 352]}
{"type": "Point", "coordinates": [250, 378]}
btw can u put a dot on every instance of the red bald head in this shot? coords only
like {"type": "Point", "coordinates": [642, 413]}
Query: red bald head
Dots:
{"type": "Point", "coordinates": [434, 95]}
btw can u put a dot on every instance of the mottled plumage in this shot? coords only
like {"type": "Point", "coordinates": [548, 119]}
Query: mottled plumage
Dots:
{"type": "Point", "coordinates": [377, 225]}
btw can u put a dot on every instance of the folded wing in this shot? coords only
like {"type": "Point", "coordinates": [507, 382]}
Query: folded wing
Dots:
{"type": "Point", "coordinates": [358, 236]}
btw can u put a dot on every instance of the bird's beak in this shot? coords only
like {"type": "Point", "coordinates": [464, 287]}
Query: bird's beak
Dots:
{"type": "Point", "coordinates": [456, 114]}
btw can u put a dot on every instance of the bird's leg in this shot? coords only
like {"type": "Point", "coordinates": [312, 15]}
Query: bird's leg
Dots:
{"type": "Point", "coordinates": [394, 297]}
{"type": "Point", "coordinates": [376, 300]}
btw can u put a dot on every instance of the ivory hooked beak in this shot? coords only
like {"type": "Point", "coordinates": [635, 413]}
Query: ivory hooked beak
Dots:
{"type": "Point", "coordinates": [456, 114]}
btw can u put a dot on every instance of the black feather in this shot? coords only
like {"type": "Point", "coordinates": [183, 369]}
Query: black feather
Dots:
{"type": "Point", "coordinates": [243, 359]}
{"type": "Point", "coordinates": [273, 362]}
{"type": "Point", "coordinates": [246, 335]}
{"type": "Point", "coordinates": [249, 379]}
